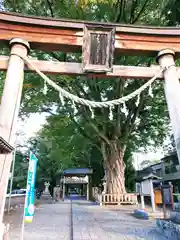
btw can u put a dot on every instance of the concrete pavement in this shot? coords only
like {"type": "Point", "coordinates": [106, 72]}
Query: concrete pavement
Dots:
{"type": "Point", "coordinates": [92, 222]}
{"type": "Point", "coordinates": [83, 220]}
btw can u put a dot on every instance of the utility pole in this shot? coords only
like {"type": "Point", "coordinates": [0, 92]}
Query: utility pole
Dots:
{"type": "Point", "coordinates": [12, 177]}
{"type": "Point", "coordinates": [9, 110]}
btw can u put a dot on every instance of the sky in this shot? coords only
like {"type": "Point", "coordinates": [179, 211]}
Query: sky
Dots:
{"type": "Point", "coordinates": [33, 124]}
{"type": "Point", "coordinates": [140, 157]}
{"type": "Point", "coordinates": [29, 128]}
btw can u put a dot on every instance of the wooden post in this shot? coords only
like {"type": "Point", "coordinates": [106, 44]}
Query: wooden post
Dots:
{"type": "Point", "coordinates": [171, 193]}
{"type": "Point", "coordinates": [83, 189]}
{"type": "Point", "coordinates": [58, 192]}
{"type": "Point", "coordinates": [101, 199]}
{"type": "Point", "coordinates": [64, 180]}
{"type": "Point", "coordinates": [88, 188]}
{"type": "Point", "coordinates": [172, 91]}
{"type": "Point", "coordinates": [142, 198]}
{"type": "Point", "coordinates": [163, 202]}
{"type": "Point", "coordinates": [54, 194]}
{"type": "Point", "coordinates": [152, 196]}
{"type": "Point", "coordinates": [142, 202]}
{"type": "Point", "coordinates": [9, 109]}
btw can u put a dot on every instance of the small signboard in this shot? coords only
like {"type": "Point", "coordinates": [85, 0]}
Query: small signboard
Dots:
{"type": "Point", "coordinates": [146, 187]}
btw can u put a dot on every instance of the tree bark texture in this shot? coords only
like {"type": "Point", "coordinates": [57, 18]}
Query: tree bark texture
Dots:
{"type": "Point", "coordinates": [114, 169]}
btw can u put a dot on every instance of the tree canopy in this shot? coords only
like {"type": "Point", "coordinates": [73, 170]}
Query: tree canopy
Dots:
{"type": "Point", "coordinates": [72, 138]}
{"type": "Point", "coordinates": [20, 170]}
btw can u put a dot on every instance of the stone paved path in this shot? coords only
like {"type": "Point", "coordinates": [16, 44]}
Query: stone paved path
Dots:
{"type": "Point", "coordinates": [93, 223]}
{"type": "Point", "coordinates": [51, 221]}
{"type": "Point", "coordinates": [87, 222]}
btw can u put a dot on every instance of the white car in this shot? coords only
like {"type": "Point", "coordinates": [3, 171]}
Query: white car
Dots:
{"type": "Point", "coordinates": [15, 192]}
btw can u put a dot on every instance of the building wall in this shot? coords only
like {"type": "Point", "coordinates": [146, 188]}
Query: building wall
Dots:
{"type": "Point", "coordinates": [171, 168]}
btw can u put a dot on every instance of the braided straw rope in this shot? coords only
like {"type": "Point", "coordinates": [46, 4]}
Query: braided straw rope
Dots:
{"type": "Point", "coordinates": [91, 104]}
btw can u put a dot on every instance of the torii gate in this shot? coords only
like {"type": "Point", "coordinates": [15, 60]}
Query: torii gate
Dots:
{"type": "Point", "coordinates": [23, 32]}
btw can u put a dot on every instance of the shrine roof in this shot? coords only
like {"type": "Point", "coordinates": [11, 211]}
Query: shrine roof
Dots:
{"type": "Point", "coordinates": [147, 176]}
{"type": "Point", "coordinates": [77, 171]}
{"type": "Point", "coordinates": [5, 147]}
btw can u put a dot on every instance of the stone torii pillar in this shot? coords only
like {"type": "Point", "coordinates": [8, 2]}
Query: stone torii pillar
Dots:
{"type": "Point", "coordinates": [9, 109]}
{"type": "Point", "coordinates": [166, 60]}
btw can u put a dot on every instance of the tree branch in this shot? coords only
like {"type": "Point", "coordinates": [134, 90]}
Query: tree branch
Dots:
{"type": "Point", "coordinates": [120, 3]}
{"type": "Point", "coordinates": [100, 133]}
{"type": "Point", "coordinates": [93, 125]}
{"type": "Point", "coordinates": [133, 8]}
{"type": "Point", "coordinates": [80, 129]}
{"type": "Point", "coordinates": [50, 8]}
{"type": "Point", "coordinates": [141, 11]}
{"type": "Point", "coordinates": [124, 12]}
{"type": "Point", "coordinates": [131, 120]}
{"type": "Point", "coordinates": [48, 110]}
{"type": "Point", "coordinates": [64, 57]}
{"type": "Point", "coordinates": [117, 129]}
{"type": "Point", "coordinates": [86, 95]}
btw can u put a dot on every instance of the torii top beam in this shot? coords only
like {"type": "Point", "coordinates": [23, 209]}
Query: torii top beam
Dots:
{"type": "Point", "coordinates": [67, 35]}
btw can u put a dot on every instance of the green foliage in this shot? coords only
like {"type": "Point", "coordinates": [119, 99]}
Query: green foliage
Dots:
{"type": "Point", "coordinates": [20, 170]}
{"type": "Point", "coordinates": [96, 163]}
{"type": "Point", "coordinates": [172, 12]}
{"type": "Point", "coordinates": [129, 171]}
{"type": "Point", "coordinates": [70, 139]}
{"type": "Point", "coordinates": [1, 84]}
{"type": "Point", "coordinates": [59, 146]}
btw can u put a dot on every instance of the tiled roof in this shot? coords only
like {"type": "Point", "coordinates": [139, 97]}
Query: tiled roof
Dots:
{"type": "Point", "coordinates": [78, 171]}
{"type": "Point", "coordinates": [5, 147]}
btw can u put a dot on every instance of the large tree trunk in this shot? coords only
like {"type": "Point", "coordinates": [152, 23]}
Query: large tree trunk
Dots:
{"type": "Point", "coordinates": [115, 169]}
